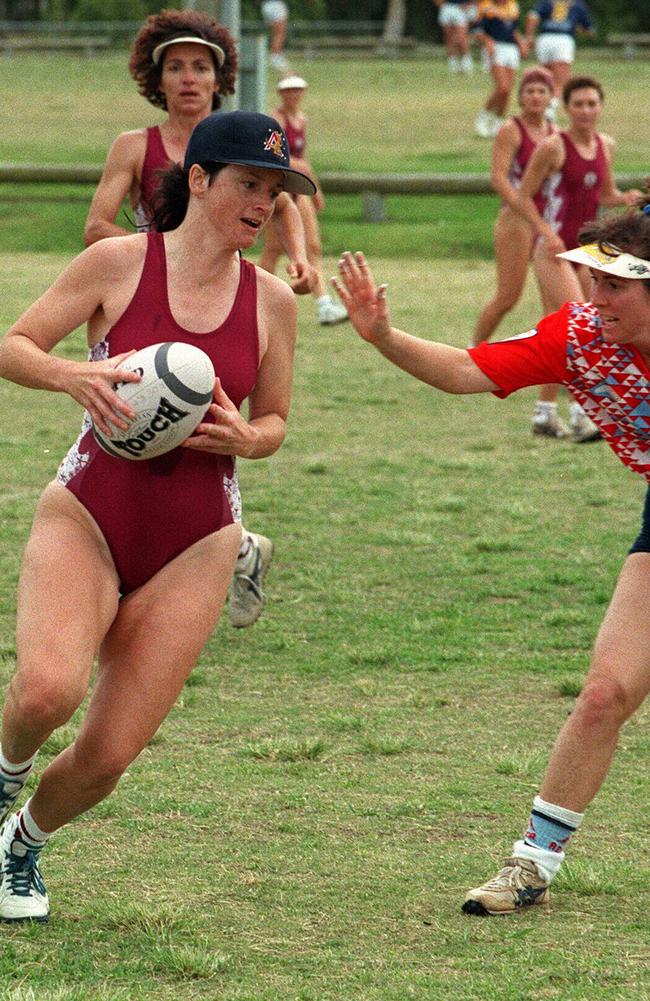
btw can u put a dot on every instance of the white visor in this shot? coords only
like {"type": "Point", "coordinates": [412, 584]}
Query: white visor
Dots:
{"type": "Point", "coordinates": [220, 55]}
{"type": "Point", "coordinates": [621, 265]}
{"type": "Point", "coordinates": [292, 83]}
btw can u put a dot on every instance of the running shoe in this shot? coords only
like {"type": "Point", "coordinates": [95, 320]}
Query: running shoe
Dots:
{"type": "Point", "coordinates": [519, 884]}
{"type": "Point", "coordinates": [9, 792]}
{"type": "Point", "coordinates": [331, 312]}
{"type": "Point", "coordinates": [583, 429]}
{"type": "Point", "coordinates": [246, 595]}
{"type": "Point", "coordinates": [551, 425]}
{"type": "Point", "coordinates": [23, 896]}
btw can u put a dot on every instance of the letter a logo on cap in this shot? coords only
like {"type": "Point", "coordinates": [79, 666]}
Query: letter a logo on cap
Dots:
{"type": "Point", "coordinates": [274, 144]}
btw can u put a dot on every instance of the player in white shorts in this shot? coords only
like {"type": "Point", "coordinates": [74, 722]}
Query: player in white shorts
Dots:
{"type": "Point", "coordinates": [557, 24]}
{"type": "Point", "coordinates": [276, 18]}
{"type": "Point", "coordinates": [497, 31]}
{"type": "Point", "coordinates": [455, 18]}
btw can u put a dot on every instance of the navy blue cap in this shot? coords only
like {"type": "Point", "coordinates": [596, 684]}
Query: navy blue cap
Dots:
{"type": "Point", "coordinates": [248, 138]}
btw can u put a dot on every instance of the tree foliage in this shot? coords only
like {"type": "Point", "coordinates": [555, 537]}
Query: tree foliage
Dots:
{"type": "Point", "coordinates": [421, 15]}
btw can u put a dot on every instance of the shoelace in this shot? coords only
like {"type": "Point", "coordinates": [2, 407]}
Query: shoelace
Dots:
{"type": "Point", "coordinates": [251, 583]}
{"type": "Point", "coordinates": [22, 874]}
{"type": "Point", "coordinates": [509, 876]}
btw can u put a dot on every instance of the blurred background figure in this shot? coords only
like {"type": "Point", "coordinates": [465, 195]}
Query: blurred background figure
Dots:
{"type": "Point", "coordinates": [574, 169]}
{"type": "Point", "coordinates": [291, 91]}
{"type": "Point", "coordinates": [455, 17]}
{"type": "Point", "coordinates": [557, 23]}
{"type": "Point", "coordinates": [513, 147]}
{"type": "Point", "coordinates": [276, 19]}
{"type": "Point", "coordinates": [497, 31]}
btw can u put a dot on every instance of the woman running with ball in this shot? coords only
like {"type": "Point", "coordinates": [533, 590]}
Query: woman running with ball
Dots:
{"type": "Point", "coordinates": [131, 561]}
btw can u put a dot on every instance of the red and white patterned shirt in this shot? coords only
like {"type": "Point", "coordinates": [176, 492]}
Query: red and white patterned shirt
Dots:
{"type": "Point", "coordinates": [610, 381]}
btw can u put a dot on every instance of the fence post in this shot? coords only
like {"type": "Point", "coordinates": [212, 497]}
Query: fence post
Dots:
{"type": "Point", "coordinates": [374, 206]}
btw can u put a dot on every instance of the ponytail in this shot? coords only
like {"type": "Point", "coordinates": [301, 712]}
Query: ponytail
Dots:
{"type": "Point", "coordinates": [171, 198]}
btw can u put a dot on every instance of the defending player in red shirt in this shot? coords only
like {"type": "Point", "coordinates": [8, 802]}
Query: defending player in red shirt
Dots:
{"type": "Point", "coordinates": [601, 351]}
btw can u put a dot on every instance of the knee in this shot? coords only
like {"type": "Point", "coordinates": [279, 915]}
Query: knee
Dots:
{"type": "Point", "coordinates": [44, 704]}
{"type": "Point", "coordinates": [602, 701]}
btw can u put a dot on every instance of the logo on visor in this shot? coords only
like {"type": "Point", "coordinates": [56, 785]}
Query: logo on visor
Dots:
{"type": "Point", "coordinates": [274, 144]}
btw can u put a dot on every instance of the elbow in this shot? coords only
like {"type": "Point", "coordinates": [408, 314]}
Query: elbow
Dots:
{"type": "Point", "coordinates": [90, 234]}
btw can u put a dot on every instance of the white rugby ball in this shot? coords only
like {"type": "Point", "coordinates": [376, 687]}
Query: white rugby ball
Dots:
{"type": "Point", "coordinates": [171, 398]}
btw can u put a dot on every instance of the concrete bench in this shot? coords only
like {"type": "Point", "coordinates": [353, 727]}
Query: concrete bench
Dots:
{"type": "Point", "coordinates": [45, 43]}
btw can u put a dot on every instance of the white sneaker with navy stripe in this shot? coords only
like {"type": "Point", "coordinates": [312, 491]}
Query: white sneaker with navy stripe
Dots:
{"type": "Point", "coordinates": [23, 896]}
{"type": "Point", "coordinates": [9, 792]}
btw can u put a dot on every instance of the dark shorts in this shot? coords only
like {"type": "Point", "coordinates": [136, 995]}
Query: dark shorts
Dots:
{"type": "Point", "coordinates": [642, 543]}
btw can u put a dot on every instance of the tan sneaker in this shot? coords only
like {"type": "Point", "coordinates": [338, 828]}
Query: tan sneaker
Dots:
{"type": "Point", "coordinates": [517, 885]}
{"type": "Point", "coordinates": [550, 425]}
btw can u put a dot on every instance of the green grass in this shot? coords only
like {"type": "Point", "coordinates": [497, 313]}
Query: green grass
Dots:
{"type": "Point", "coordinates": [306, 822]}
{"type": "Point", "coordinates": [332, 780]}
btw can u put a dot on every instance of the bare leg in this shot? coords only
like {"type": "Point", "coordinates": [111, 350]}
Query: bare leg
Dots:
{"type": "Point", "coordinates": [558, 283]}
{"type": "Point", "coordinates": [617, 683]}
{"type": "Point", "coordinates": [512, 245]}
{"type": "Point", "coordinates": [145, 658]}
{"type": "Point", "coordinates": [67, 599]}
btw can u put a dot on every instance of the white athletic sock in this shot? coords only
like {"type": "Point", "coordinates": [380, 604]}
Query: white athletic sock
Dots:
{"type": "Point", "coordinates": [575, 410]}
{"type": "Point", "coordinates": [15, 772]}
{"type": "Point", "coordinates": [545, 407]}
{"type": "Point", "coordinates": [28, 829]}
{"type": "Point", "coordinates": [323, 300]}
{"type": "Point", "coordinates": [555, 824]}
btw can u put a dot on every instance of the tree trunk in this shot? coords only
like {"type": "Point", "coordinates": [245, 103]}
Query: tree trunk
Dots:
{"type": "Point", "coordinates": [395, 20]}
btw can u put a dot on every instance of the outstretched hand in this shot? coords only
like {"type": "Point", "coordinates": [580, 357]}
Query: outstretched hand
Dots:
{"type": "Point", "coordinates": [365, 302]}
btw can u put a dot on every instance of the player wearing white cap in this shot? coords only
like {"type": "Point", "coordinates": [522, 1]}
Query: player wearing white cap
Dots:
{"type": "Point", "coordinates": [600, 350]}
{"type": "Point", "coordinates": [291, 91]}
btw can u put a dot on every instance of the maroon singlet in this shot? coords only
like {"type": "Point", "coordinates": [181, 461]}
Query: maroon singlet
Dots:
{"type": "Point", "coordinates": [155, 159]}
{"type": "Point", "coordinates": [525, 150]}
{"type": "Point", "coordinates": [296, 138]}
{"type": "Point", "coordinates": [573, 193]}
{"type": "Point", "coordinates": [151, 511]}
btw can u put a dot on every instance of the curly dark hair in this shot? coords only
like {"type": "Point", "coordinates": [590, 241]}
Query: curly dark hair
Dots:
{"type": "Point", "coordinates": [629, 230]}
{"type": "Point", "coordinates": [158, 28]}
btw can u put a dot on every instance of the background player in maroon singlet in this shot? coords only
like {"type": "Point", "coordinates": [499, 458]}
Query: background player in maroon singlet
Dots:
{"type": "Point", "coordinates": [513, 235]}
{"type": "Point", "coordinates": [132, 561]}
{"type": "Point", "coordinates": [601, 351]}
{"type": "Point", "coordinates": [573, 168]}
{"type": "Point", "coordinates": [184, 62]}
{"type": "Point", "coordinates": [291, 91]}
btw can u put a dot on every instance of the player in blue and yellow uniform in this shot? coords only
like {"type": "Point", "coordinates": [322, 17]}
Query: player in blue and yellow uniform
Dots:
{"type": "Point", "coordinates": [557, 22]}
{"type": "Point", "coordinates": [497, 31]}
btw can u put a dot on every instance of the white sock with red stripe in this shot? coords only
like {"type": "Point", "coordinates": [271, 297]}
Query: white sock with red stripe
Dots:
{"type": "Point", "coordinates": [14, 775]}
{"type": "Point", "coordinates": [28, 830]}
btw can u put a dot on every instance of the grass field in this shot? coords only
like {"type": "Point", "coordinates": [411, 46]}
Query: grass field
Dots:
{"type": "Point", "coordinates": [305, 824]}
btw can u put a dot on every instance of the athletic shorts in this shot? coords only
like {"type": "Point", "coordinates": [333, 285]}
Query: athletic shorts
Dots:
{"type": "Point", "coordinates": [274, 10]}
{"type": "Point", "coordinates": [550, 48]}
{"type": "Point", "coordinates": [453, 15]}
{"type": "Point", "coordinates": [642, 541]}
{"type": "Point", "coordinates": [506, 54]}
